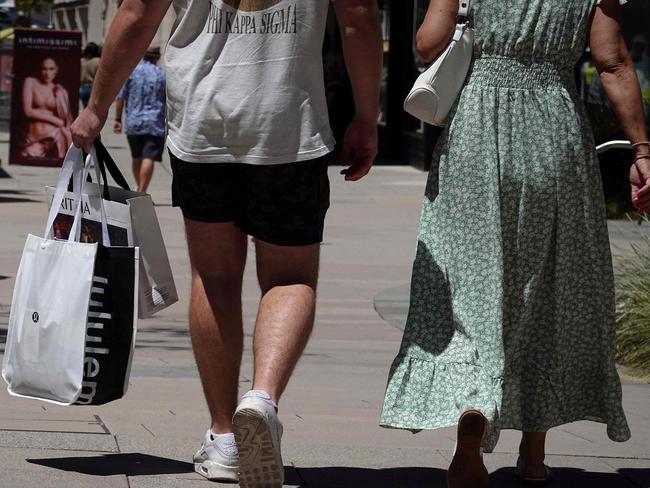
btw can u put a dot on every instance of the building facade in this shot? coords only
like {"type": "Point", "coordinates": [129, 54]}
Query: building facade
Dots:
{"type": "Point", "coordinates": [93, 18]}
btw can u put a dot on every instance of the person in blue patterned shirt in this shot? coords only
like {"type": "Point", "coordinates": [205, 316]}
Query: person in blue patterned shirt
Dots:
{"type": "Point", "coordinates": [143, 96]}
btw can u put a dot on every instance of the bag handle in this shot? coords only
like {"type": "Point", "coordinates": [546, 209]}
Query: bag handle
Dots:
{"type": "Point", "coordinates": [105, 161]}
{"type": "Point", "coordinates": [100, 174]}
{"type": "Point", "coordinates": [73, 167]}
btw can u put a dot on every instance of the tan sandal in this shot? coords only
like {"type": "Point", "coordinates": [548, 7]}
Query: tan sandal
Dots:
{"type": "Point", "coordinates": [467, 469]}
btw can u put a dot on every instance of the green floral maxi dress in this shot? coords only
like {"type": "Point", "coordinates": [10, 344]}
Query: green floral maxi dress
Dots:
{"type": "Point", "coordinates": [512, 296]}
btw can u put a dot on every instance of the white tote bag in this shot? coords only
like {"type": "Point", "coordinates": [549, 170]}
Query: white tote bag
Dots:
{"type": "Point", "coordinates": [46, 337]}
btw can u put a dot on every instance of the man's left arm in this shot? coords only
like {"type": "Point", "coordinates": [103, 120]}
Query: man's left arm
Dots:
{"type": "Point", "coordinates": [363, 50]}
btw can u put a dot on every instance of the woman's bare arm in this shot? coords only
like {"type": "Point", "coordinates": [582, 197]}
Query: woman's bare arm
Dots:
{"type": "Point", "coordinates": [621, 84]}
{"type": "Point", "coordinates": [37, 114]}
{"type": "Point", "coordinates": [436, 30]}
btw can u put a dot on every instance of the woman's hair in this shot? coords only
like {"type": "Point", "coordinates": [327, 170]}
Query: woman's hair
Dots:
{"type": "Point", "coordinates": [91, 51]}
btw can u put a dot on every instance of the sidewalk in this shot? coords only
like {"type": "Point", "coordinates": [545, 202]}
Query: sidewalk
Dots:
{"type": "Point", "coordinates": [331, 409]}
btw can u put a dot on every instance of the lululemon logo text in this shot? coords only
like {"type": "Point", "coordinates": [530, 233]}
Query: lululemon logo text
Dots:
{"type": "Point", "coordinates": [97, 320]}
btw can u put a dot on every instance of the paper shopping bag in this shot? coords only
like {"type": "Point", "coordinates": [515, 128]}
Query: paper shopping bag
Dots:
{"type": "Point", "coordinates": [132, 221]}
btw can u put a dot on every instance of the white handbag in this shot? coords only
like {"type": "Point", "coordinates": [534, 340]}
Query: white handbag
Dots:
{"type": "Point", "coordinates": [437, 89]}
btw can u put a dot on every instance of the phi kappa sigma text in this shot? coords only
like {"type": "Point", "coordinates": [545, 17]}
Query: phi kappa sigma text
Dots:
{"type": "Point", "coordinates": [280, 21]}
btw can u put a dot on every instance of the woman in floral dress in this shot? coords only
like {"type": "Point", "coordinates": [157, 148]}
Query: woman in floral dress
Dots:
{"type": "Point", "coordinates": [511, 323]}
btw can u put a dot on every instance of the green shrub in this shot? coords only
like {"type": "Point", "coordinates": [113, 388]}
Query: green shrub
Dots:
{"type": "Point", "coordinates": [618, 210]}
{"type": "Point", "coordinates": [633, 308]}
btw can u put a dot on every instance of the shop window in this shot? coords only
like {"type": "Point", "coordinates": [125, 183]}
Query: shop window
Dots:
{"type": "Point", "coordinates": [60, 19]}
{"type": "Point", "coordinates": [71, 16]}
{"type": "Point", "coordinates": [83, 20]}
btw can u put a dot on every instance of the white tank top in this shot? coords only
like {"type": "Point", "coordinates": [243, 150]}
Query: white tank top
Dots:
{"type": "Point", "coordinates": [245, 81]}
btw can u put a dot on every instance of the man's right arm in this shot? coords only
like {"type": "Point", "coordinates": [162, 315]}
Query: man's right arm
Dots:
{"type": "Point", "coordinates": [130, 34]}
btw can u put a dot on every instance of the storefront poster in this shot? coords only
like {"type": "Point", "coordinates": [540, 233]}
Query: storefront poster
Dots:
{"type": "Point", "coordinates": [45, 95]}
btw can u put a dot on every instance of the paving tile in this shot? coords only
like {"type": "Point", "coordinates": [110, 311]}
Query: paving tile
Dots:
{"type": "Point", "coordinates": [27, 424]}
{"type": "Point", "coordinates": [58, 441]}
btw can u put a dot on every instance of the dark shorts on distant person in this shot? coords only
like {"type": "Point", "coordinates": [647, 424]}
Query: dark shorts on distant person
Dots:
{"type": "Point", "coordinates": [283, 204]}
{"type": "Point", "coordinates": [146, 147]}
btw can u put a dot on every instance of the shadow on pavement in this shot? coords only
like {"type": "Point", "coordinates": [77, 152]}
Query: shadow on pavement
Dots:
{"type": "Point", "coordinates": [14, 196]}
{"type": "Point", "coordinates": [161, 337]}
{"type": "Point", "coordinates": [579, 478]}
{"type": "Point", "coordinates": [349, 477]}
{"type": "Point", "coordinates": [133, 464]}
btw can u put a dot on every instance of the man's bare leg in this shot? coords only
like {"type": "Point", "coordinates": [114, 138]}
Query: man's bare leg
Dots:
{"type": "Point", "coordinates": [137, 163]}
{"type": "Point", "coordinates": [288, 278]}
{"type": "Point", "coordinates": [146, 173]}
{"type": "Point", "coordinates": [218, 257]}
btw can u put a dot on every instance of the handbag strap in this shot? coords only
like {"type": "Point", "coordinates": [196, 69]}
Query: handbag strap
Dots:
{"type": "Point", "coordinates": [464, 7]}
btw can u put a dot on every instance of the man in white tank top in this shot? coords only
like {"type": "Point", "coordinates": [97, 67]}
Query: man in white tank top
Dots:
{"type": "Point", "coordinates": [249, 140]}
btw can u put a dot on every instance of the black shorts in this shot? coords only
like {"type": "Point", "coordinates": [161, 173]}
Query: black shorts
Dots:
{"type": "Point", "coordinates": [282, 204]}
{"type": "Point", "coordinates": [146, 147]}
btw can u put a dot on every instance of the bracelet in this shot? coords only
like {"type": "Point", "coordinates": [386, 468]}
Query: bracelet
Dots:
{"type": "Point", "coordinates": [639, 144]}
{"type": "Point", "coordinates": [639, 158]}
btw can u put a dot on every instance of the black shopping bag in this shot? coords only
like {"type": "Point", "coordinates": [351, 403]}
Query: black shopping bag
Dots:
{"type": "Point", "coordinates": [111, 329]}
{"type": "Point", "coordinates": [112, 314]}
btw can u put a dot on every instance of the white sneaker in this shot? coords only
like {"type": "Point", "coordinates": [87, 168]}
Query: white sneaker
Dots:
{"type": "Point", "coordinates": [217, 460]}
{"type": "Point", "coordinates": [258, 432]}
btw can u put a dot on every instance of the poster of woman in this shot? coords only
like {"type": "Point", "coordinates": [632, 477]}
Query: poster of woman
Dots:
{"type": "Point", "coordinates": [45, 95]}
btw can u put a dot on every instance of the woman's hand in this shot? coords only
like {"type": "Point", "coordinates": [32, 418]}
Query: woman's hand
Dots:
{"type": "Point", "coordinates": [640, 181]}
